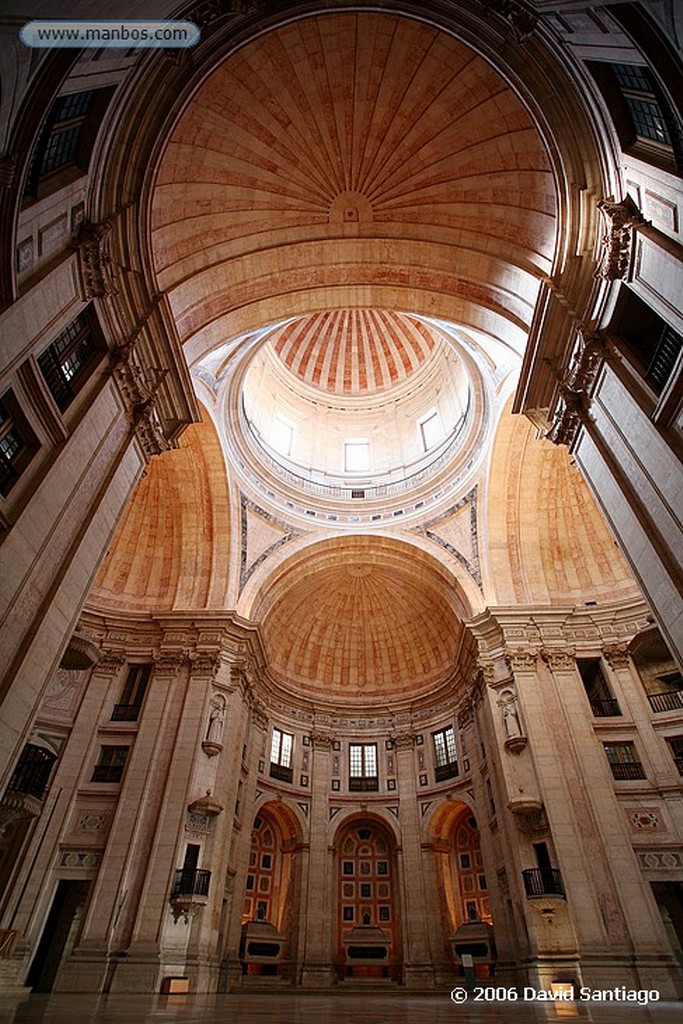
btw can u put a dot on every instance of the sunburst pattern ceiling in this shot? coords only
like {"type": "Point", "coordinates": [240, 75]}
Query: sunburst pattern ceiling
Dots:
{"type": "Point", "coordinates": [378, 133]}
{"type": "Point", "coordinates": [354, 351]}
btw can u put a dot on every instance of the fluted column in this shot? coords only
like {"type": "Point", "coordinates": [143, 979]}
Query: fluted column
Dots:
{"type": "Point", "coordinates": [320, 907]}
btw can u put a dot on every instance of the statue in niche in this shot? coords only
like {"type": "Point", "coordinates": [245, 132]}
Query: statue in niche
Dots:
{"type": "Point", "coordinates": [515, 739]}
{"type": "Point", "coordinates": [213, 739]}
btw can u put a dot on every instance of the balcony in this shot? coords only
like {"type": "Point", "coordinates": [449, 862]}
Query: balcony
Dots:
{"type": "Point", "coordinates": [669, 700]}
{"type": "Point", "coordinates": [279, 771]}
{"type": "Point", "coordinates": [628, 770]}
{"type": "Point", "coordinates": [191, 882]}
{"type": "Point", "coordinates": [540, 882]}
{"type": "Point", "coordinates": [446, 771]}
{"type": "Point", "coordinates": [363, 784]}
{"type": "Point", "coordinates": [607, 708]}
{"type": "Point", "coordinates": [125, 713]}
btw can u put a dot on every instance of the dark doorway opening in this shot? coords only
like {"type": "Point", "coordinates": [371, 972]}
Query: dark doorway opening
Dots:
{"type": "Point", "coordinates": [59, 934]}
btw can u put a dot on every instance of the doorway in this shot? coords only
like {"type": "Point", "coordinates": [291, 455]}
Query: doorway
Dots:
{"type": "Point", "coordinates": [60, 933]}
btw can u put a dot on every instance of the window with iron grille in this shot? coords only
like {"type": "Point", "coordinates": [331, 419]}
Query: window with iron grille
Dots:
{"type": "Point", "coordinates": [68, 362]}
{"type": "Point", "coordinates": [133, 694]}
{"type": "Point", "coordinates": [445, 754]}
{"type": "Point", "coordinates": [281, 746]}
{"type": "Point", "coordinates": [18, 443]}
{"type": "Point", "coordinates": [110, 764]}
{"type": "Point", "coordinates": [641, 111]}
{"type": "Point", "coordinates": [624, 760]}
{"type": "Point", "coordinates": [363, 767]}
{"type": "Point", "coordinates": [66, 139]}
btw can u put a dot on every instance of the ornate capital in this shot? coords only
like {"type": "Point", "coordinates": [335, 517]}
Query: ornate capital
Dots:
{"type": "Point", "coordinates": [562, 659]}
{"type": "Point", "coordinates": [138, 389]}
{"type": "Point", "coordinates": [168, 662]}
{"type": "Point", "coordinates": [80, 654]}
{"type": "Point", "coordinates": [110, 662]}
{"type": "Point", "coordinates": [404, 740]}
{"type": "Point", "coordinates": [204, 663]}
{"type": "Point", "coordinates": [620, 220]}
{"type": "Point", "coordinates": [521, 659]}
{"type": "Point", "coordinates": [616, 655]}
{"type": "Point", "coordinates": [518, 15]}
{"type": "Point", "coordinates": [321, 740]}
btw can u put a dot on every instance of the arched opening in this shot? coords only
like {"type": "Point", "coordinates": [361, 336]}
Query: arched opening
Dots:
{"type": "Point", "coordinates": [368, 942]}
{"type": "Point", "coordinates": [270, 910]}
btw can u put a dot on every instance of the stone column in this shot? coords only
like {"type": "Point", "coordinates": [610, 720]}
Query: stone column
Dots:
{"type": "Point", "coordinates": [418, 971]}
{"type": "Point", "coordinates": [320, 902]}
{"type": "Point", "coordinates": [239, 841]}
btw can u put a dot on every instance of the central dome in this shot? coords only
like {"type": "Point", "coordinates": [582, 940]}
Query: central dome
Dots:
{"type": "Point", "coordinates": [354, 351]}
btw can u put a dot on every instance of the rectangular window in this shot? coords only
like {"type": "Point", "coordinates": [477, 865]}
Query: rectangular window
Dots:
{"type": "Point", "coordinates": [281, 755]}
{"type": "Point", "coordinates": [600, 697]}
{"type": "Point", "coordinates": [676, 748]}
{"type": "Point", "coordinates": [363, 767]}
{"type": "Point", "coordinates": [624, 761]}
{"type": "Point", "coordinates": [68, 362]}
{"type": "Point", "coordinates": [430, 430]}
{"type": "Point", "coordinates": [638, 89]}
{"type": "Point", "coordinates": [445, 754]}
{"type": "Point", "coordinates": [356, 455]}
{"type": "Point", "coordinates": [110, 765]}
{"type": "Point", "coordinates": [133, 694]}
{"type": "Point", "coordinates": [18, 443]}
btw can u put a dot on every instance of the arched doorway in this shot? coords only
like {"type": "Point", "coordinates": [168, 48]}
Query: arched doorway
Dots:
{"type": "Point", "coordinates": [368, 942]}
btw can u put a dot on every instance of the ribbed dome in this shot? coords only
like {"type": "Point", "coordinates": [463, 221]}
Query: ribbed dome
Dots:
{"type": "Point", "coordinates": [319, 155]}
{"type": "Point", "coordinates": [343, 623]}
{"type": "Point", "coordinates": [354, 351]}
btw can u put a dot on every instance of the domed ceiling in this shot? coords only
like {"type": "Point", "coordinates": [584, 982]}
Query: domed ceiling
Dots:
{"type": "Point", "coordinates": [363, 618]}
{"type": "Point", "coordinates": [352, 159]}
{"type": "Point", "coordinates": [354, 351]}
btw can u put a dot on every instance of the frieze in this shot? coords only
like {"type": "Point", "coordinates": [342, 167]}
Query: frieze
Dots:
{"type": "Point", "coordinates": [662, 860]}
{"type": "Point", "coordinates": [79, 858]}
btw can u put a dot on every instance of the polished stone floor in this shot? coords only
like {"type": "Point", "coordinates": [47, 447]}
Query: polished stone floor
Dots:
{"type": "Point", "coordinates": [328, 1008]}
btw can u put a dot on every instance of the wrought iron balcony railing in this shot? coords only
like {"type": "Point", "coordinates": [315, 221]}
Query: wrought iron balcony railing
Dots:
{"type": "Point", "coordinates": [607, 708]}
{"type": "Point", "coordinates": [669, 700]}
{"type": "Point", "coordinates": [191, 882]}
{"type": "Point", "coordinates": [543, 882]}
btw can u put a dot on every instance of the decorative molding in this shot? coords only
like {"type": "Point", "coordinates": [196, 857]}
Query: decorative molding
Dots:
{"type": "Point", "coordinates": [576, 387]}
{"type": "Point", "coordinates": [404, 740]}
{"type": "Point", "coordinates": [80, 654]}
{"type": "Point", "coordinates": [531, 818]}
{"type": "Point", "coordinates": [521, 19]}
{"type": "Point", "coordinates": [168, 662]}
{"type": "Point", "coordinates": [246, 570]}
{"type": "Point", "coordinates": [79, 859]}
{"type": "Point", "coordinates": [645, 819]}
{"type": "Point", "coordinates": [204, 663]}
{"type": "Point", "coordinates": [138, 389]}
{"type": "Point", "coordinates": [617, 244]}
{"type": "Point", "coordinates": [660, 860]}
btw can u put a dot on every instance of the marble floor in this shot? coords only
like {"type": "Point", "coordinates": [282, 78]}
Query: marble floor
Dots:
{"type": "Point", "coordinates": [328, 1008]}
